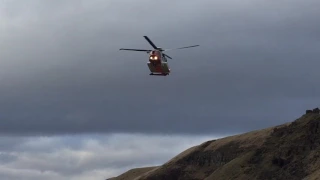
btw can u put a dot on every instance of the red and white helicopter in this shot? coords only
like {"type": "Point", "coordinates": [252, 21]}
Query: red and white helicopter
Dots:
{"type": "Point", "coordinates": [158, 63]}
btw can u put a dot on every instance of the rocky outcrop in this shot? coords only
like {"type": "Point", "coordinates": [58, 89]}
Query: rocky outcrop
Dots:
{"type": "Point", "coordinates": [308, 111]}
{"type": "Point", "coordinates": [314, 111]}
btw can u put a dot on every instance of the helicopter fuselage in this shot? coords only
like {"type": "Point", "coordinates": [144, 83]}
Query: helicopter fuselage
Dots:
{"type": "Point", "coordinates": [158, 64]}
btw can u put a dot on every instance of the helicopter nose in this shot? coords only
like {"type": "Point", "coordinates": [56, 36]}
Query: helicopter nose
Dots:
{"type": "Point", "coordinates": [153, 57]}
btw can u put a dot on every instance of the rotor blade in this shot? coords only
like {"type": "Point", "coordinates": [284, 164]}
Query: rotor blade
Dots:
{"type": "Point", "coordinates": [145, 50]}
{"type": "Point", "coordinates": [167, 56]}
{"type": "Point", "coordinates": [181, 48]}
{"type": "Point", "coordinates": [150, 42]}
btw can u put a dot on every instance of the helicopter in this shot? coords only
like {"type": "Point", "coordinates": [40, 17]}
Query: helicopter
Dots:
{"type": "Point", "coordinates": [158, 62]}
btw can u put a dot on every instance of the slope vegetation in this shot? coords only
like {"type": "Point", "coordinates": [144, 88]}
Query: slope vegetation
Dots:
{"type": "Point", "coordinates": [133, 173]}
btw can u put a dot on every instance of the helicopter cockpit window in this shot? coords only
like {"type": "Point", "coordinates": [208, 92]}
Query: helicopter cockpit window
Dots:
{"type": "Point", "coordinates": [155, 55]}
{"type": "Point", "coordinates": [165, 60]}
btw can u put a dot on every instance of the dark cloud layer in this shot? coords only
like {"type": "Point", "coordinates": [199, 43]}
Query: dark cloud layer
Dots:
{"type": "Point", "coordinates": [61, 71]}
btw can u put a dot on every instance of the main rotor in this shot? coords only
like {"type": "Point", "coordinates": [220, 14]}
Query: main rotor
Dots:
{"type": "Point", "coordinates": [156, 48]}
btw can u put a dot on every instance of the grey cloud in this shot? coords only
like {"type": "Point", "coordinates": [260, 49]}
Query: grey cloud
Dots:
{"type": "Point", "coordinates": [10, 142]}
{"type": "Point", "coordinates": [72, 157]}
{"type": "Point", "coordinates": [7, 158]}
{"type": "Point", "coordinates": [61, 71]}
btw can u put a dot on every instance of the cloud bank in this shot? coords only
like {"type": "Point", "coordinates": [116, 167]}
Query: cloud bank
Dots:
{"type": "Point", "coordinates": [88, 156]}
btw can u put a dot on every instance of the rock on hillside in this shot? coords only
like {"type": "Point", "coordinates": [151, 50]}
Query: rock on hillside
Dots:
{"type": "Point", "coordinates": [289, 151]}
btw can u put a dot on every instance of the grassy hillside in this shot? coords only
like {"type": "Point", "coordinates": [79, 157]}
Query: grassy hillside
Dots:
{"type": "Point", "coordinates": [289, 151]}
{"type": "Point", "coordinates": [133, 173]}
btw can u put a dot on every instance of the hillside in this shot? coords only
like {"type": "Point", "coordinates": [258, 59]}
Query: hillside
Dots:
{"type": "Point", "coordinates": [289, 151]}
{"type": "Point", "coordinates": [133, 173]}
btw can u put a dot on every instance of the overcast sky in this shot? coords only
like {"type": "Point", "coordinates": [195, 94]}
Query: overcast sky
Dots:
{"type": "Point", "coordinates": [61, 72]}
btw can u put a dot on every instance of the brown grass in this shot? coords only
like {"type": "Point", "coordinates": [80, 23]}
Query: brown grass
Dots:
{"type": "Point", "coordinates": [133, 173]}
